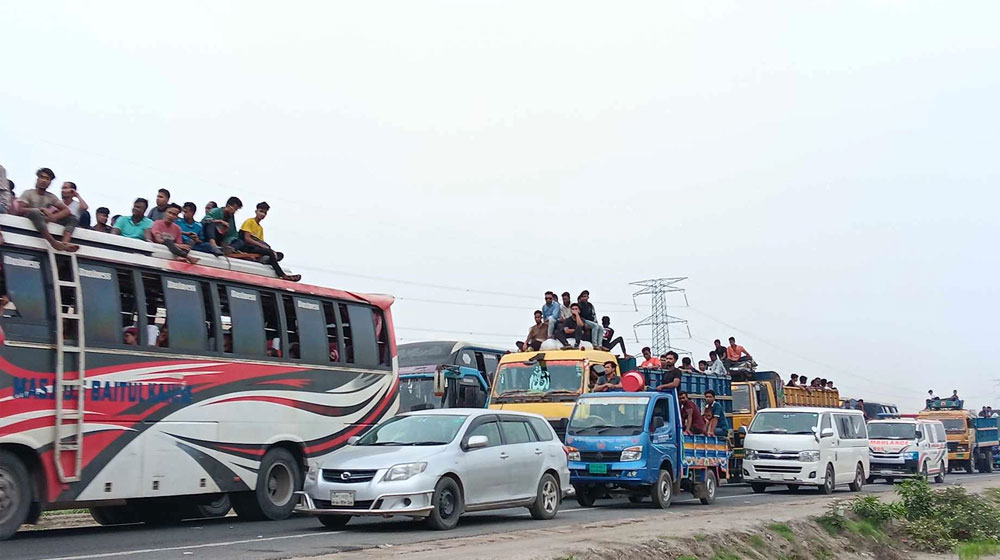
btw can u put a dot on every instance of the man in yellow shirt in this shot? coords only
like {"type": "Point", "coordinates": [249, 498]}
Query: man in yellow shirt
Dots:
{"type": "Point", "coordinates": [251, 240]}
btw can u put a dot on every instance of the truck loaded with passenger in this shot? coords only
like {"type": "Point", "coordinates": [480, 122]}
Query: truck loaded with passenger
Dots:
{"type": "Point", "coordinates": [972, 441]}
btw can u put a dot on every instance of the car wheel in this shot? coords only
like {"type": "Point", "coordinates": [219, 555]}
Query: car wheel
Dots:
{"type": "Point", "coordinates": [758, 487]}
{"type": "Point", "coordinates": [15, 494]}
{"type": "Point", "coordinates": [711, 485]}
{"type": "Point", "coordinates": [793, 487]}
{"type": "Point", "coordinates": [828, 484]}
{"type": "Point", "coordinates": [636, 499]}
{"type": "Point", "coordinates": [859, 478]}
{"type": "Point", "coordinates": [546, 498]}
{"type": "Point", "coordinates": [448, 505]}
{"type": "Point", "coordinates": [333, 521]}
{"type": "Point", "coordinates": [274, 497]}
{"type": "Point", "coordinates": [663, 491]}
{"type": "Point", "coordinates": [939, 477]}
{"type": "Point", "coordinates": [585, 496]}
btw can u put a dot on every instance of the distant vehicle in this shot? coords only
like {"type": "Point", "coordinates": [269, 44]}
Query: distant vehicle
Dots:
{"type": "Point", "coordinates": [632, 444]}
{"type": "Point", "coordinates": [445, 374]}
{"type": "Point", "coordinates": [438, 464]}
{"type": "Point", "coordinates": [972, 441]}
{"type": "Point", "coordinates": [904, 448]}
{"type": "Point", "coordinates": [434, 353]}
{"type": "Point", "coordinates": [801, 446]}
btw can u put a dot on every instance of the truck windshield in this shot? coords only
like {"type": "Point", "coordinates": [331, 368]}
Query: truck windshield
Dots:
{"type": "Point", "coordinates": [953, 425]}
{"type": "Point", "coordinates": [784, 423]}
{"type": "Point", "coordinates": [539, 377]}
{"type": "Point", "coordinates": [612, 416]}
{"type": "Point", "coordinates": [898, 430]}
{"type": "Point", "coordinates": [741, 398]}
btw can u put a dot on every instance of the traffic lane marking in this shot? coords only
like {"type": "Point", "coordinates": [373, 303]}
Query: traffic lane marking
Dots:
{"type": "Point", "coordinates": [194, 546]}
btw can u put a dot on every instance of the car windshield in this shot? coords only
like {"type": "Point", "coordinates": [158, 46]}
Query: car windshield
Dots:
{"type": "Point", "coordinates": [418, 394]}
{"type": "Point", "coordinates": [539, 377]}
{"type": "Point", "coordinates": [784, 423]}
{"type": "Point", "coordinates": [610, 416]}
{"type": "Point", "coordinates": [420, 429]}
{"type": "Point", "coordinates": [895, 430]}
{"type": "Point", "coordinates": [741, 398]}
{"type": "Point", "coordinates": [425, 353]}
{"type": "Point", "coordinates": [953, 425]}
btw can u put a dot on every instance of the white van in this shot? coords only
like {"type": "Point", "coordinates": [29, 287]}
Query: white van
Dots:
{"type": "Point", "coordinates": [806, 446]}
{"type": "Point", "coordinates": [907, 447]}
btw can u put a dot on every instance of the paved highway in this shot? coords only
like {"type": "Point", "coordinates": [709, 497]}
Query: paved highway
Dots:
{"type": "Point", "coordinates": [231, 539]}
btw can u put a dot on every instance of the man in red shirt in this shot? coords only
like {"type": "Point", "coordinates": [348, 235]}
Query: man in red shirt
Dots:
{"type": "Point", "coordinates": [694, 422]}
{"type": "Point", "coordinates": [736, 354]}
{"type": "Point", "coordinates": [168, 233]}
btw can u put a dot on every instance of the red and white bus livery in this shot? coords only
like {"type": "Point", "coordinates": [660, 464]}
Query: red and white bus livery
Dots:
{"type": "Point", "coordinates": [150, 389]}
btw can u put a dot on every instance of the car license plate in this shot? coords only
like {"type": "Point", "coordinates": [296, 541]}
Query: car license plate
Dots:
{"type": "Point", "coordinates": [341, 498]}
{"type": "Point", "coordinates": [887, 472]}
{"type": "Point", "coordinates": [597, 468]}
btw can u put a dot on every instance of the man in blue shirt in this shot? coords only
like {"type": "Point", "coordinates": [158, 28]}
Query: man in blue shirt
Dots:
{"type": "Point", "coordinates": [550, 311]}
{"type": "Point", "coordinates": [719, 424]}
{"type": "Point", "coordinates": [192, 230]}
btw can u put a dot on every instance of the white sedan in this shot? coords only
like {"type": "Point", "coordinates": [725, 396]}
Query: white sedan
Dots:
{"type": "Point", "coordinates": [437, 465]}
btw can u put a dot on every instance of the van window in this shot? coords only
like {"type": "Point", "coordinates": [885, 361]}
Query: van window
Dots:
{"type": "Point", "coordinates": [101, 305]}
{"type": "Point", "coordinates": [939, 431]}
{"type": "Point", "coordinates": [248, 322]}
{"type": "Point", "coordinates": [845, 429]}
{"type": "Point", "coordinates": [859, 430]}
{"type": "Point", "coordinates": [825, 423]}
{"type": "Point", "coordinates": [27, 315]}
{"type": "Point", "coordinates": [186, 330]}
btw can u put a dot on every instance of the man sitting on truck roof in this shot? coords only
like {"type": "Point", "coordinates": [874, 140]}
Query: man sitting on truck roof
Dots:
{"type": "Point", "coordinates": [648, 360]}
{"type": "Point", "coordinates": [793, 381]}
{"type": "Point", "coordinates": [610, 381]}
{"type": "Point", "coordinates": [671, 378]}
{"type": "Point", "coordinates": [716, 366]}
{"type": "Point", "coordinates": [537, 334]}
{"type": "Point", "coordinates": [719, 424]}
{"type": "Point", "coordinates": [589, 315]}
{"type": "Point", "coordinates": [574, 326]}
{"type": "Point", "coordinates": [737, 354]}
{"type": "Point", "coordinates": [694, 422]}
{"type": "Point", "coordinates": [550, 312]}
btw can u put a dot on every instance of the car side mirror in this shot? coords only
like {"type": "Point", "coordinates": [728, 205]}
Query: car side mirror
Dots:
{"type": "Point", "coordinates": [353, 440]}
{"type": "Point", "coordinates": [658, 422]}
{"type": "Point", "coordinates": [919, 434]}
{"type": "Point", "coordinates": [477, 442]}
{"type": "Point", "coordinates": [827, 432]}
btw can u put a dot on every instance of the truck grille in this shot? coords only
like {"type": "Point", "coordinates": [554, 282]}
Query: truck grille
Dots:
{"type": "Point", "coordinates": [600, 456]}
{"type": "Point", "coordinates": [337, 475]}
{"type": "Point", "coordinates": [785, 469]}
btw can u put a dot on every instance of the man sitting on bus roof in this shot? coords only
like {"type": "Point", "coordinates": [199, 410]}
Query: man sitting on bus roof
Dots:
{"type": "Point", "coordinates": [219, 225]}
{"type": "Point", "coordinates": [42, 207]}
{"type": "Point", "coordinates": [191, 229]}
{"type": "Point", "coordinates": [134, 226]}
{"type": "Point", "coordinates": [610, 381]}
{"type": "Point", "coordinates": [166, 232]}
{"type": "Point", "coordinates": [537, 334]}
{"type": "Point", "coordinates": [671, 378]}
{"type": "Point", "coordinates": [251, 240]}
{"type": "Point", "coordinates": [160, 209]}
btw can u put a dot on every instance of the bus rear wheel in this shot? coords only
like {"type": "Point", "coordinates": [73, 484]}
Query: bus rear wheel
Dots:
{"type": "Point", "coordinates": [274, 496]}
{"type": "Point", "coordinates": [15, 494]}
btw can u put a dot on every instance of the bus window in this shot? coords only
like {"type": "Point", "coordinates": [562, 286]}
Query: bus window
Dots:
{"type": "Point", "coordinates": [332, 338]}
{"type": "Point", "coordinates": [186, 330]}
{"type": "Point", "coordinates": [101, 305]}
{"type": "Point", "coordinates": [363, 335]}
{"type": "Point", "coordinates": [126, 300]}
{"type": "Point", "coordinates": [209, 308]}
{"type": "Point", "coordinates": [157, 333]}
{"type": "Point", "coordinates": [27, 315]}
{"type": "Point", "coordinates": [312, 325]}
{"type": "Point", "coordinates": [345, 329]}
{"type": "Point", "coordinates": [291, 322]}
{"type": "Point", "coordinates": [247, 321]}
{"type": "Point", "coordinates": [382, 336]}
{"type": "Point", "coordinates": [225, 321]}
{"type": "Point", "coordinates": [67, 296]}
{"type": "Point", "coordinates": [272, 328]}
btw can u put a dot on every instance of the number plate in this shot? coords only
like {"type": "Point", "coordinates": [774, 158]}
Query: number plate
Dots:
{"type": "Point", "coordinates": [341, 498]}
{"type": "Point", "coordinates": [597, 468]}
{"type": "Point", "coordinates": [888, 472]}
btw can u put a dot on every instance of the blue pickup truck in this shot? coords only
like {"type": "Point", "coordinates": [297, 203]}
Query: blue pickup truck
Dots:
{"type": "Point", "coordinates": [632, 444]}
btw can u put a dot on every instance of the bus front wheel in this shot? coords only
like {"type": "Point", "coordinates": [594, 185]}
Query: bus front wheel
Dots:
{"type": "Point", "coordinates": [274, 496]}
{"type": "Point", "coordinates": [15, 494]}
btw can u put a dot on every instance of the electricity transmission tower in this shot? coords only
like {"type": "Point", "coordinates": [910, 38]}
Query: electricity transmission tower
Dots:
{"type": "Point", "coordinates": [659, 320]}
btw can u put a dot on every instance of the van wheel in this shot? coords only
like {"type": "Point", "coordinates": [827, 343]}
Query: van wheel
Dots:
{"type": "Point", "coordinates": [585, 495]}
{"type": "Point", "coordinates": [711, 484]}
{"type": "Point", "coordinates": [274, 497]}
{"type": "Point", "coordinates": [859, 479]}
{"type": "Point", "coordinates": [758, 487]}
{"type": "Point", "coordinates": [939, 477]}
{"type": "Point", "coordinates": [828, 484]}
{"type": "Point", "coordinates": [663, 491]}
{"type": "Point", "coordinates": [15, 494]}
{"type": "Point", "coordinates": [448, 505]}
{"type": "Point", "coordinates": [333, 521]}
{"type": "Point", "coordinates": [546, 498]}
{"type": "Point", "coordinates": [925, 472]}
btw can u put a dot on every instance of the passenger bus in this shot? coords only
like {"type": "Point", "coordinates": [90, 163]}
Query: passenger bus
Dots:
{"type": "Point", "coordinates": [141, 386]}
{"type": "Point", "coordinates": [465, 384]}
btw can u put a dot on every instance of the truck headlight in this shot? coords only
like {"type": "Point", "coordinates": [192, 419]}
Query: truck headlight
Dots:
{"type": "Point", "coordinates": [750, 454]}
{"type": "Point", "coordinates": [572, 454]}
{"type": "Point", "coordinates": [809, 456]}
{"type": "Point", "coordinates": [404, 471]}
{"type": "Point", "coordinates": [632, 453]}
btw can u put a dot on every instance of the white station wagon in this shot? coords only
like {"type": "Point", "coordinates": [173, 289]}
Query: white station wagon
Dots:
{"type": "Point", "coordinates": [437, 465]}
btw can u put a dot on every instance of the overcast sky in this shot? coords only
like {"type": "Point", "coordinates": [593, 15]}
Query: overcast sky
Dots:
{"type": "Point", "coordinates": [825, 174]}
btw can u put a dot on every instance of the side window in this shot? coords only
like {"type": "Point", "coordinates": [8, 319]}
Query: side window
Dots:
{"type": "Point", "coordinates": [939, 430]}
{"type": "Point", "coordinates": [128, 304]}
{"type": "Point", "coordinates": [312, 330]}
{"type": "Point", "coordinates": [225, 320]}
{"type": "Point", "coordinates": [157, 330]}
{"type": "Point", "coordinates": [382, 336]}
{"type": "Point", "coordinates": [101, 305]}
{"type": "Point", "coordinates": [332, 338]}
{"type": "Point", "coordinates": [492, 363]}
{"type": "Point", "coordinates": [467, 358]}
{"type": "Point", "coordinates": [763, 399]}
{"type": "Point", "coordinates": [515, 431]}
{"type": "Point", "coordinates": [860, 429]}
{"type": "Point", "coordinates": [272, 327]}
{"type": "Point", "coordinates": [247, 321]}
{"type": "Point", "coordinates": [347, 334]}
{"type": "Point", "coordinates": [843, 423]}
{"type": "Point", "coordinates": [661, 409]}
{"type": "Point", "coordinates": [27, 315]}
{"type": "Point", "coordinates": [363, 334]}
{"type": "Point", "coordinates": [825, 423]}
{"type": "Point", "coordinates": [543, 431]}
{"type": "Point", "coordinates": [187, 318]}
{"type": "Point", "coordinates": [489, 429]}
{"type": "Point", "coordinates": [291, 324]}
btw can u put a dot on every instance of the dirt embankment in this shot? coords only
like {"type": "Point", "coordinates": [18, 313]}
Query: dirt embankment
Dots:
{"type": "Point", "coordinates": [723, 532]}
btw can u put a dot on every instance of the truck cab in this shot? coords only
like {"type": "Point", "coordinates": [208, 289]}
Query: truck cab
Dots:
{"type": "Point", "coordinates": [632, 444]}
{"type": "Point", "coordinates": [907, 447]}
{"type": "Point", "coordinates": [972, 441]}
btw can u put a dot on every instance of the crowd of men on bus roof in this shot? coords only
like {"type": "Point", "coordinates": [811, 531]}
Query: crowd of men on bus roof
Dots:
{"type": "Point", "coordinates": [166, 223]}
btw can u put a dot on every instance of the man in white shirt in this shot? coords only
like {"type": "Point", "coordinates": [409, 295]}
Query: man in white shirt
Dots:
{"type": "Point", "coordinates": [564, 310]}
{"type": "Point", "coordinates": [717, 367]}
{"type": "Point", "coordinates": [72, 199]}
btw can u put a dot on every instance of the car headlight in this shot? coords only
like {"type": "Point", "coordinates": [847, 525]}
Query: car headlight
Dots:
{"type": "Point", "coordinates": [404, 471]}
{"type": "Point", "coordinates": [809, 456]}
{"type": "Point", "coordinates": [632, 453]}
{"type": "Point", "coordinates": [313, 473]}
{"type": "Point", "coordinates": [750, 454]}
{"type": "Point", "coordinates": [572, 454]}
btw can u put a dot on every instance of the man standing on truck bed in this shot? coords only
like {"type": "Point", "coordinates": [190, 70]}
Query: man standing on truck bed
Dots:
{"type": "Point", "coordinates": [671, 378]}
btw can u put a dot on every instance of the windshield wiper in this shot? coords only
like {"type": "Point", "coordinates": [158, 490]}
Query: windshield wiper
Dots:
{"type": "Point", "coordinates": [581, 430]}
{"type": "Point", "coordinates": [513, 392]}
{"type": "Point", "coordinates": [428, 443]}
{"type": "Point", "coordinates": [562, 392]}
{"type": "Point", "coordinates": [622, 427]}
{"type": "Point", "coordinates": [772, 431]}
